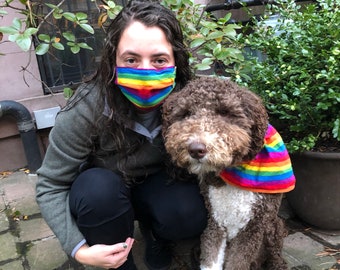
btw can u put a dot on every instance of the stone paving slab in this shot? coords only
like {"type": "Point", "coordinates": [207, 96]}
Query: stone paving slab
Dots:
{"type": "Point", "coordinates": [29, 244]}
{"type": "Point", "coordinates": [19, 190]}
{"type": "Point", "coordinates": [35, 229]}
{"type": "Point", "coordinates": [46, 254]}
{"type": "Point", "coordinates": [15, 265]}
{"type": "Point", "coordinates": [302, 250]}
{"type": "Point", "coordinates": [332, 238]}
{"type": "Point", "coordinates": [8, 247]}
{"type": "Point", "coordinates": [4, 224]}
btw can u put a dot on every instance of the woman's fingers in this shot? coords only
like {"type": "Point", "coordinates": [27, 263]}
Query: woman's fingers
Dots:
{"type": "Point", "coordinates": [118, 253]}
{"type": "Point", "coordinates": [105, 256]}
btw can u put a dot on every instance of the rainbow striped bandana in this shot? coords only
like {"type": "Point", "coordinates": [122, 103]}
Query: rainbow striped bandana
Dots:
{"type": "Point", "coordinates": [146, 88]}
{"type": "Point", "coordinates": [269, 172]}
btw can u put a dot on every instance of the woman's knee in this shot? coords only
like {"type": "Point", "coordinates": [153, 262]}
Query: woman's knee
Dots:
{"type": "Point", "coordinates": [99, 194]}
{"type": "Point", "coordinates": [183, 221]}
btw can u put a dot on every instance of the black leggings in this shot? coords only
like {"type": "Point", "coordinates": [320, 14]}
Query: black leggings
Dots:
{"type": "Point", "coordinates": [105, 209]}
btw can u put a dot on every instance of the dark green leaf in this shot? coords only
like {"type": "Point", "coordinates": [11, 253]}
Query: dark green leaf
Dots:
{"type": "Point", "coordinates": [81, 16]}
{"type": "Point", "coordinates": [58, 46]}
{"type": "Point", "coordinates": [69, 36]}
{"type": "Point", "coordinates": [44, 37]}
{"type": "Point", "coordinates": [84, 46]}
{"type": "Point", "coordinates": [87, 28]}
{"type": "Point", "coordinates": [68, 92]}
{"type": "Point", "coordinates": [42, 48]}
{"type": "Point", "coordinates": [75, 49]}
{"type": "Point", "coordinates": [70, 16]}
{"type": "Point", "coordinates": [197, 42]}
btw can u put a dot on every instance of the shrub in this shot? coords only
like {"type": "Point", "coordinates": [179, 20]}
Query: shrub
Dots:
{"type": "Point", "coordinates": [298, 75]}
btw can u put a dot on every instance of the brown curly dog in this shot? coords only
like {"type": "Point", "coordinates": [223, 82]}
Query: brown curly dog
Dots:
{"type": "Point", "coordinates": [210, 125]}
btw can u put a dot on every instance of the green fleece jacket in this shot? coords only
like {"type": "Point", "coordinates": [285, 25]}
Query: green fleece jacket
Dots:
{"type": "Point", "coordinates": [72, 141]}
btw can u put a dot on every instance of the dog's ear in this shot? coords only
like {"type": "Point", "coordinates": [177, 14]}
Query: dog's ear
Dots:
{"type": "Point", "coordinates": [256, 111]}
{"type": "Point", "coordinates": [253, 110]}
{"type": "Point", "coordinates": [175, 108]}
{"type": "Point", "coordinates": [167, 108]}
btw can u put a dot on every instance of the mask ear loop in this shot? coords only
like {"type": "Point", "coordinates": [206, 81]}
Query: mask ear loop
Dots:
{"type": "Point", "coordinates": [111, 114]}
{"type": "Point", "coordinates": [113, 75]}
{"type": "Point", "coordinates": [112, 79]}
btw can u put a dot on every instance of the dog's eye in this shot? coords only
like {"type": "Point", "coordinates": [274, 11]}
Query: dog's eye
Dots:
{"type": "Point", "coordinates": [222, 111]}
{"type": "Point", "coordinates": [181, 113]}
{"type": "Point", "coordinates": [184, 114]}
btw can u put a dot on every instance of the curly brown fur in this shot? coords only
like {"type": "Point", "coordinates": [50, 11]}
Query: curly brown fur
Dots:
{"type": "Point", "coordinates": [209, 125]}
{"type": "Point", "coordinates": [238, 113]}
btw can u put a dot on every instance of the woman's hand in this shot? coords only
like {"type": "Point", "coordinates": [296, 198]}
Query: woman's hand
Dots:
{"type": "Point", "coordinates": [105, 256]}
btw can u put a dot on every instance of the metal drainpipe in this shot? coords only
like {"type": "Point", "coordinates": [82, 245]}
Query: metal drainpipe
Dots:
{"type": "Point", "coordinates": [26, 129]}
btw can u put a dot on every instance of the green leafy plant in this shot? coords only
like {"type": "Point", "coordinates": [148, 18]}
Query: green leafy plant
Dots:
{"type": "Point", "coordinates": [211, 41]}
{"type": "Point", "coordinates": [35, 21]}
{"type": "Point", "coordinates": [298, 72]}
{"type": "Point", "coordinates": [26, 27]}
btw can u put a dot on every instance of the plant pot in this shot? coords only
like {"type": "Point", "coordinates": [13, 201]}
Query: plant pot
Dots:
{"type": "Point", "coordinates": [316, 197]}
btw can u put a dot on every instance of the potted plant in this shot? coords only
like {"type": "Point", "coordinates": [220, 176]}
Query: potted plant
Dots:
{"type": "Point", "coordinates": [298, 76]}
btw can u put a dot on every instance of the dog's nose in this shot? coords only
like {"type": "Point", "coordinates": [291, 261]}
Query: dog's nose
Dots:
{"type": "Point", "coordinates": [197, 150]}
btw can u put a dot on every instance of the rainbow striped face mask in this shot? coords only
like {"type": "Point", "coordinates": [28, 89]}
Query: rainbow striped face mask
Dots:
{"type": "Point", "coordinates": [146, 88]}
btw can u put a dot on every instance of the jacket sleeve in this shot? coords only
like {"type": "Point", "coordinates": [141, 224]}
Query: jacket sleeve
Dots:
{"type": "Point", "coordinates": [69, 146]}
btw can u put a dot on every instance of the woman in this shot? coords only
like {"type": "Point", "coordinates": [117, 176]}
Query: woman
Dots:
{"type": "Point", "coordinates": [104, 166]}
